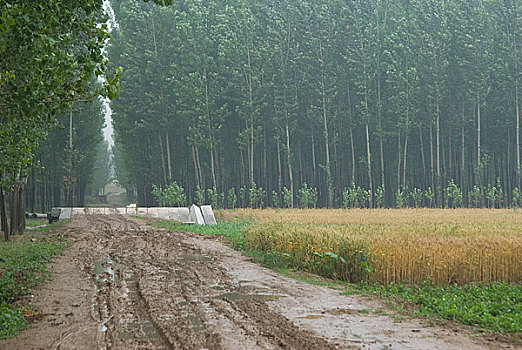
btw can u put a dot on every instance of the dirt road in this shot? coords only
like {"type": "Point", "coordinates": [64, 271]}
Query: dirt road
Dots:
{"type": "Point", "coordinates": [125, 285]}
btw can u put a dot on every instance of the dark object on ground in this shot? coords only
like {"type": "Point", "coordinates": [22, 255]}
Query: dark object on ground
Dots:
{"type": "Point", "coordinates": [54, 215]}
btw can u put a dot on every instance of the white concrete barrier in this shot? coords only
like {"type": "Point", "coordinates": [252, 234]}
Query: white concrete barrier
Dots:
{"type": "Point", "coordinates": [194, 214]}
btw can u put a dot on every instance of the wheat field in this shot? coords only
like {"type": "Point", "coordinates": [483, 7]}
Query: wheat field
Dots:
{"type": "Point", "coordinates": [391, 245]}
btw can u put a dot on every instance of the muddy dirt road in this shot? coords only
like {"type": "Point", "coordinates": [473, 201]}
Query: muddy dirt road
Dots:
{"type": "Point", "coordinates": [125, 285]}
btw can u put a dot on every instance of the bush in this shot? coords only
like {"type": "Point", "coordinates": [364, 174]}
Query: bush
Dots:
{"type": "Point", "coordinates": [307, 197]}
{"type": "Point", "coordinates": [287, 198]}
{"type": "Point", "coordinates": [231, 198]}
{"type": "Point", "coordinates": [173, 194]}
{"type": "Point", "coordinates": [256, 196]}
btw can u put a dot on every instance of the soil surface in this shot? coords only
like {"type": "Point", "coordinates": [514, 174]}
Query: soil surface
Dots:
{"type": "Point", "coordinates": [125, 285]}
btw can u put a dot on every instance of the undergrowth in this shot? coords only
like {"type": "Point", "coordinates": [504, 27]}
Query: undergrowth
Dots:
{"type": "Point", "coordinates": [22, 266]}
{"type": "Point", "coordinates": [495, 306]}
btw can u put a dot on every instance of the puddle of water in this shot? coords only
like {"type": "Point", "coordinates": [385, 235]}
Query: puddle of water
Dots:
{"type": "Point", "coordinates": [239, 296]}
{"type": "Point", "coordinates": [183, 303]}
{"type": "Point", "coordinates": [196, 257]}
{"type": "Point", "coordinates": [149, 330]}
{"type": "Point", "coordinates": [179, 273]}
{"type": "Point", "coordinates": [102, 267]}
{"type": "Point", "coordinates": [197, 323]}
{"type": "Point", "coordinates": [217, 287]}
{"type": "Point", "coordinates": [162, 272]}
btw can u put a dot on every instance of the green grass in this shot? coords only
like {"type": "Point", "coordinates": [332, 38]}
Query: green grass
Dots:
{"type": "Point", "coordinates": [493, 307]}
{"type": "Point", "coordinates": [22, 266]}
{"type": "Point", "coordinates": [29, 222]}
{"type": "Point", "coordinates": [233, 231]}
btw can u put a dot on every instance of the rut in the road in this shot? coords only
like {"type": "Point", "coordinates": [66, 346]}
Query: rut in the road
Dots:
{"type": "Point", "coordinates": [164, 293]}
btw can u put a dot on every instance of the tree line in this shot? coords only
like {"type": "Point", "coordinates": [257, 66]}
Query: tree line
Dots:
{"type": "Point", "coordinates": [50, 56]}
{"type": "Point", "coordinates": [358, 103]}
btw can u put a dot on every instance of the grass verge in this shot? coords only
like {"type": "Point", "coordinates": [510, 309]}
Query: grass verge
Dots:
{"type": "Point", "coordinates": [493, 307]}
{"type": "Point", "coordinates": [22, 266]}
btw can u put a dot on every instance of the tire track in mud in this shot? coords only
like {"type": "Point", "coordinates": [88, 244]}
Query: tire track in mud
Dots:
{"type": "Point", "coordinates": [156, 292]}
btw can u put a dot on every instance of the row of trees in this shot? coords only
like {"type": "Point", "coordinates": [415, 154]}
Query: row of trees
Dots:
{"type": "Point", "coordinates": [73, 161]}
{"type": "Point", "coordinates": [352, 197]}
{"type": "Point", "coordinates": [49, 53]}
{"type": "Point", "coordinates": [383, 94]}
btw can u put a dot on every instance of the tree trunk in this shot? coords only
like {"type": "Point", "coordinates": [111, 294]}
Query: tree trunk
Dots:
{"type": "Point", "coordinates": [169, 163]}
{"type": "Point", "coordinates": [17, 205]}
{"type": "Point", "coordinates": [3, 214]}
{"type": "Point", "coordinates": [517, 115]}
{"type": "Point", "coordinates": [279, 170]}
{"type": "Point", "coordinates": [265, 161]}
{"type": "Point", "coordinates": [353, 154]}
{"type": "Point", "coordinates": [437, 130]}
{"type": "Point", "coordinates": [399, 158]}
{"type": "Point", "coordinates": [196, 171]}
{"type": "Point", "coordinates": [478, 134]}
{"type": "Point", "coordinates": [423, 158]}
{"type": "Point", "coordinates": [369, 158]}
{"type": "Point", "coordinates": [462, 150]}
{"type": "Point", "coordinates": [163, 165]}
{"type": "Point", "coordinates": [432, 168]}
{"type": "Point", "coordinates": [379, 115]}
{"type": "Point", "coordinates": [42, 190]}
{"type": "Point", "coordinates": [351, 133]}
{"type": "Point", "coordinates": [329, 184]}
{"type": "Point", "coordinates": [314, 164]}
{"type": "Point", "coordinates": [404, 158]}
{"type": "Point", "coordinates": [289, 161]}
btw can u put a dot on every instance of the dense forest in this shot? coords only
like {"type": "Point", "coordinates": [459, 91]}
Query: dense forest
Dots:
{"type": "Point", "coordinates": [275, 103]}
{"type": "Point", "coordinates": [352, 103]}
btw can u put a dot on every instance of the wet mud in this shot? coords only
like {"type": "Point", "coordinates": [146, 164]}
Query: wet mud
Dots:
{"type": "Point", "coordinates": [125, 285]}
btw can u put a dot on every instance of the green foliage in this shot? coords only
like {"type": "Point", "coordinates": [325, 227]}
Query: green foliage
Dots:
{"type": "Point", "coordinates": [430, 196]}
{"type": "Point", "coordinates": [199, 196]}
{"type": "Point", "coordinates": [495, 194]}
{"type": "Point", "coordinates": [494, 307]}
{"type": "Point", "coordinates": [355, 197]}
{"type": "Point", "coordinates": [232, 230]}
{"type": "Point", "coordinates": [287, 198]}
{"type": "Point", "coordinates": [307, 197]}
{"type": "Point", "coordinates": [12, 321]}
{"type": "Point", "coordinates": [517, 198]}
{"type": "Point", "coordinates": [401, 197]}
{"type": "Point", "coordinates": [49, 53]}
{"type": "Point", "coordinates": [243, 196]}
{"type": "Point", "coordinates": [256, 196]}
{"type": "Point", "coordinates": [213, 196]}
{"type": "Point", "coordinates": [23, 266]}
{"type": "Point", "coordinates": [231, 198]}
{"type": "Point", "coordinates": [173, 194]}
{"type": "Point", "coordinates": [241, 85]}
{"type": "Point", "coordinates": [275, 199]}
{"type": "Point", "coordinates": [416, 197]}
{"type": "Point", "coordinates": [379, 197]}
{"type": "Point", "coordinates": [475, 197]}
{"type": "Point", "coordinates": [453, 195]}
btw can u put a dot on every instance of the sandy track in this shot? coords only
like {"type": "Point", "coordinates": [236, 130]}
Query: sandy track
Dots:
{"type": "Point", "coordinates": [125, 285]}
